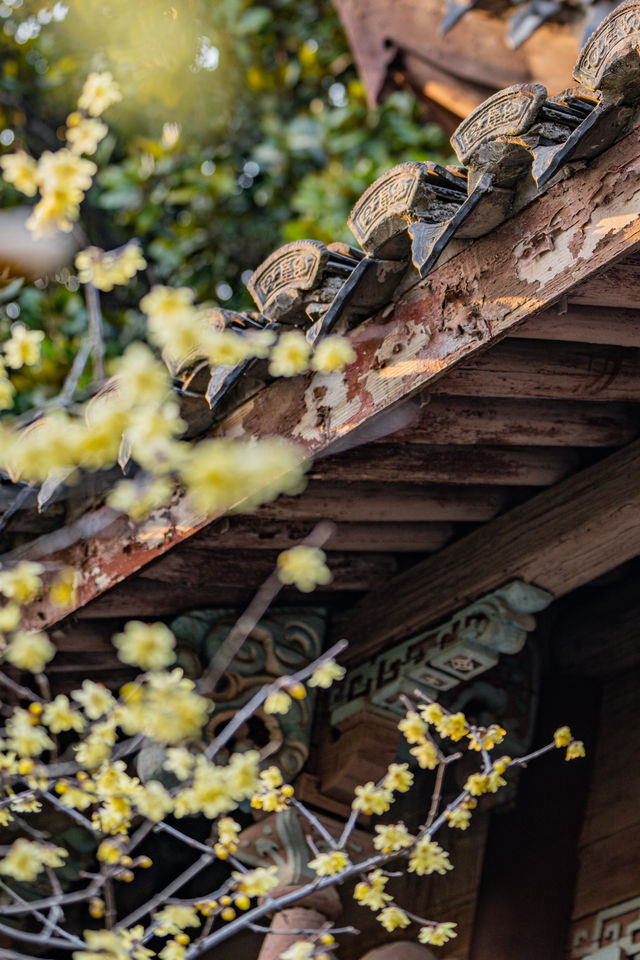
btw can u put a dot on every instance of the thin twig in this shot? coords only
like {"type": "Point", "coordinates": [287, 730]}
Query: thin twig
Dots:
{"type": "Point", "coordinates": [96, 335]}
{"type": "Point", "coordinates": [437, 792]}
{"type": "Point", "coordinates": [252, 706]}
{"type": "Point", "coordinates": [324, 833]}
{"type": "Point", "coordinates": [155, 901]}
{"type": "Point", "coordinates": [301, 933]}
{"type": "Point", "coordinates": [254, 613]}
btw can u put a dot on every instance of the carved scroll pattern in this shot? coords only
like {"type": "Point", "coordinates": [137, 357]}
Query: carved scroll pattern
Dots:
{"type": "Point", "coordinates": [622, 25]}
{"type": "Point", "coordinates": [508, 113]}
{"type": "Point", "coordinates": [282, 643]}
{"type": "Point", "coordinates": [390, 194]}
{"type": "Point", "coordinates": [616, 929]}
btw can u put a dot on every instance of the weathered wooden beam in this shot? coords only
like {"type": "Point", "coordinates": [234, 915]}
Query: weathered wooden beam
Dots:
{"type": "Point", "coordinates": [400, 503]}
{"type": "Point", "coordinates": [584, 324]}
{"type": "Point", "coordinates": [482, 420]}
{"type": "Point", "coordinates": [619, 286]}
{"type": "Point", "coordinates": [560, 539]}
{"type": "Point", "coordinates": [468, 303]}
{"type": "Point", "coordinates": [554, 371]}
{"type": "Point", "coordinates": [251, 534]}
{"type": "Point", "coordinates": [420, 464]}
{"type": "Point", "coordinates": [194, 568]}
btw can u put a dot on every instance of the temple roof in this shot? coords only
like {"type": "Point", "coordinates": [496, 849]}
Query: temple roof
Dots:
{"type": "Point", "coordinates": [493, 311]}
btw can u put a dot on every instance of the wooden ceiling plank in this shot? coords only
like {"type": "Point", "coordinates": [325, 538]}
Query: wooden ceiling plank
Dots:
{"type": "Point", "coordinates": [553, 371]}
{"type": "Point", "coordinates": [584, 324]}
{"type": "Point", "coordinates": [465, 305]}
{"type": "Point", "coordinates": [561, 539]}
{"type": "Point", "coordinates": [482, 420]}
{"type": "Point", "coordinates": [400, 503]}
{"type": "Point", "coordinates": [240, 534]}
{"type": "Point", "coordinates": [618, 286]}
{"type": "Point", "coordinates": [420, 464]}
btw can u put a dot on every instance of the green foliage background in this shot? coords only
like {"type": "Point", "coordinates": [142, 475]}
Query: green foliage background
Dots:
{"type": "Point", "coordinates": [243, 126]}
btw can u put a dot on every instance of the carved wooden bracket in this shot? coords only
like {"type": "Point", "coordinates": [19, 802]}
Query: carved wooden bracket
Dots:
{"type": "Point", "coordinates": [461, 649]}
{"type": "Point", "coordinates": [283, 641]}
{"type": "Point", "coordinates": [611, 934]}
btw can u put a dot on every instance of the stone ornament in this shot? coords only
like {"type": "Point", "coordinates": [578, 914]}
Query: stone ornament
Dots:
{"type": "Point", "coordinates": [283, 642]}
{"type": "Point", "coordinates": [468, 644]}
{"type": "Point", "coordinates": [609, 59]}
{"type": "Point", "coordinates": [610, 934]}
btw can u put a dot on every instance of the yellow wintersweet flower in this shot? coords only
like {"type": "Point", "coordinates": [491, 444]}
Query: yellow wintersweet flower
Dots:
{"type": "Point", "coordinates": [575, 750]}
{"type": "Point", "coordinates": [7, 393]}
{"type": "Point", "coordinates": [428, 857]}
{"type": "Point", "coordinates": [94, 698]}
{"type": "Point", "coordinates": [325, 673]}
{"type": "Point", "coordinates": [256, 882]}
{"type": "Point", "coordinates": [438, 934]}
{"type": "Point", "coordinates": [224, 348]}
{"type": "Point", "coordinates": [19, 169]}
{"type": "Point", "coordinates": [329, 864]}
{"type": "Point", "coordinates": [426, 754]}
{"type": "Point", "coordinates": [138, 500]}
{"type": "Point", "coordinates": [64, 589]}
{"type": "Point", "coordinates": [62, 172]}
{"type": "Point", "coordinates": [392, 836]}
{"type": "Point", "coordinates": [398, 778]}
{"type": "Point", "coordinates": [460, 818]}
{"type": "Point", "coordinates": [26, 737]}
{"type": "Point", "coordinates": [174, 918]}
{"type": "Point", "coordinates": [170, 710]}
{"type": "Point", "coordinates": [453, 725]}
{"type": "Point", "coordinates": [304, 566]}
{"type": "Point", "coordinates": [153, 801]}
{"type": "Point", "coordinates": [59, 716]}
{"type": "Point", "coordinates": [332, 353]}
{"type": "Point", "coordinates": [58, 210]}
{"type": "Point", "coordinates": [271, 777]}
{"type": "Point", "coordinates": [179, 762]}
{"type": "Point", "coordinates": [370, 799]}
{"type": "Point", "coordinates": [30, 650]}
{"type": "Point", "coordinates": [168, 305]}
{"type": "Point", "coordinates": [477, 784]}
{"type": "Point", "coordinates": [228, 831]}
{"type": "Point", "coordinates": [106, 270]}
{"type": "Point", "coordinates": [393, 917]}
{"type": "Point", "coordinates": [301, 950]}
{"type": "Point", "coordinates": [412, 727]}
{"type": "Point", "coordinates": [9, 617]}
{"type": "Point", "coordinates": [99, 92]}
{"type": "Point", "coordinates": [562, 737]}
{"type": "Point", "coordinates": [431, 712]}
{"type": "Point", "coordinates": [27, 858]}
{"type": "Point", "coordinates": [147, 645]}
{"type": "Point", "coordinates": [242, 774]}
{"type": "Point", "coordinates": [109, 851]}
{"type": "Point", "coordinates": [23, 348]}
{"type": "Point", "coordinates": [93, 752]}
{"type": "Point", "coordinates": [488, 738]}
{"type": "Point", "coordinates": [84, 134]}
{"type": "Point", "coordinates": [173, 950]}
{"type": "Point", "coordinates": [370, 892]}
{"type": "Point", "coordinates": [142, 380]}
{"type": "Point", "coordinates": [291, 355]}
{"type": "Point", "coordinates": [278, 701]}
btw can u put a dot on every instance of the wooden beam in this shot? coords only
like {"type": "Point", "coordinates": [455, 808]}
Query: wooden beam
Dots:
{"type": "Point", "coordinates": [584, 324]}
{"type": "Point", "coordinates": [239, 533]}
{"type": "Point", "coordinates": [560, 539]}
{"type": "Point", "coordinates": [482, 420]}
{"type": "Point", "coordinates": [420, 464]}
{"type": "Point", "coordinates": [464, 306]}
{"type": "Point", "coordinates": [400, 503]}
{"type": "Point", "coordinates": [618, 286]}
{"type": "Point", "coordinates": [553, 371]}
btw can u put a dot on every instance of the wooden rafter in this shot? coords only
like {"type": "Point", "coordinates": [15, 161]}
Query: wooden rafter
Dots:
{"type": "Point", "coordinates": [581, 226]}
{"type": "Point", "coordinates": [560, 539]}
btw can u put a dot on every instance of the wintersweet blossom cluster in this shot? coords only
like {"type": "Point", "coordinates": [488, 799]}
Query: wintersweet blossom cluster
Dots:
{"type": "Point", "coordinates": [108, 269]}
{"type": "Point", "coordinates": [62, 177]}
{"type": "Point", "coordinates": [22, 349]}
{"type": "Point", "coordinates": [305, 567]}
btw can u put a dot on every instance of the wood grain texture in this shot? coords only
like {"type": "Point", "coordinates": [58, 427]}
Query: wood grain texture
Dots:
{"type": "Point", "coordinates": [559, 539]}
{"type": "Point", "coordinates": [584, 324]}
{"type": "Point", "coordinates": [421, 464]}
{"type": "Point", "coordinates": [578, 228]}
{"type": "Point", "coordinates": [483, 420]}
{"type": "Point", "coordinates": [240, 533]}
{"type": "Point", "coordinates": [554, 371]}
